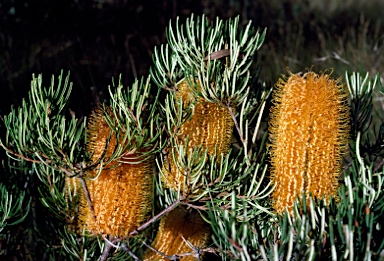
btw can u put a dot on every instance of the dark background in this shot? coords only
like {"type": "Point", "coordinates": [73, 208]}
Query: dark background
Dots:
{"type": "Point", "coordinates": [98, 40]}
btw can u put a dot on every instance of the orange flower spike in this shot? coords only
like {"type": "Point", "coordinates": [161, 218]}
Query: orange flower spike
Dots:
{"type": "Point", "coordinates": [122, 194]}
{"type": "Point", "coordinates": [211, 127]}
{"type": "Point", "coordinates": [309, 131]}
{"type": "Point", "coordinates": [176, 225]}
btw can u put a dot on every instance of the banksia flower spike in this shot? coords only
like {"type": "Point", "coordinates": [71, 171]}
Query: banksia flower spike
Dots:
{"type": "Point", "coordinates": [177, 228]}
{"type": "Point", "coordinates": [121, 193]}
{"type": "Point", "coordinates": [309, 130]}
{"type": "Point", "coordinates": [210, 127]}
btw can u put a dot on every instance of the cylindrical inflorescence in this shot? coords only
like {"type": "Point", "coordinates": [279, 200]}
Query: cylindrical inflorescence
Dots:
{"type": "Point", "coordinates": [309, 131]}
{"type": "Point", "coordinates": [211, 127]}
{"type": "Point", "coordinates": [121, 195]}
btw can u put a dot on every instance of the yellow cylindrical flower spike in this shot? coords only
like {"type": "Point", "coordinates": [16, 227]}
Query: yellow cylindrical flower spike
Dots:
{"type": "Point", "coordinates": [210, 126]}
{"type": "Point", "coordinates": [176, 225]}
{"type": "Point", "coordinates": [309, 131]}
{"type": "Point", "coordinates": [122, 194]}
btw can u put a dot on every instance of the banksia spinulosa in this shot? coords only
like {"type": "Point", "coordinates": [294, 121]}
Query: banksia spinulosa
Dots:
{"type": "Point", "coordinates": [210, 126]}
{"type": "Point", "coordinates": [122, 193]}
{"type": "Point", "coordinates": [176, 225]}
{"type": "Point", "coordinates": [309, 130]}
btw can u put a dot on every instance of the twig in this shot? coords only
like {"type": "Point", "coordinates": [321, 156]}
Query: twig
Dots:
{"type": "Point", "coordinates": [47, 160]}
{"type": "Point", "coordinates": [196, 250]}
{"type": "Point", "coordinates": [107, 248]}
{"type": "Point", "coordinates": [235, 244]}
{"type": "Point", "coordinates": [86, 192]}
{"type": "Point", "coordinates": [235, 121]}
{"type": "Point", "coordinates": [204, 208]}
{"type": "Point", "coordinates": [218, 54]}
{"type": "Point", "coordinates": [109, 245]}
{"type": "Point", "coordinates": [126, 249]}
{"type": "Point", "coordinates": [155, 218]}
{"type": "Point", "coordinates": [379, 166]}
{"type": "Point", "coordinates": [240, 133]}
{"type": "Point", "coordinates": [116, 240]}
{"type": "Point", "coordinates": [173, 257]}
{"type": "Point", "coordinates": [176, 257]}
{"type": "Point", "coordinates": [70, 174]}
{"type": "Point", "coordinates": [62, 169]}
{"type": "Point", "coordinates": [19, 155]}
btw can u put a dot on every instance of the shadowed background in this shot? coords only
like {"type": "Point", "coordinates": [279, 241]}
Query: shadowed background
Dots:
{"type": "Point", "coordinates": [98, 40]}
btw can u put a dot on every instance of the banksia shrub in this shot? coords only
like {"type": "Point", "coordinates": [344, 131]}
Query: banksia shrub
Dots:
{"type": "Point", "coordinates": [309, 130]}
{"type": "Point", "coordinates": [213, 190]}
{"type": "Point", "coordinates": [179, 232]}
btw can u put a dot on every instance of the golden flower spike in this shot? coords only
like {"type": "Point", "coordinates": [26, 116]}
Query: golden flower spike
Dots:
{"type": "Point", "coordinates": [309, 131]}
{"type": "Point", "coordinates": [210, 127]}
{"type": "Point", "coordinates": [178, 224]}
{"type": "Point", "coordinates": [122, 193]}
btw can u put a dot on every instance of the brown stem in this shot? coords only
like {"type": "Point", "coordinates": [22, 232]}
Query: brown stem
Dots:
{"type": "Point", "coordinates": [203, 208]}
{"type": "Point", "coordinates": [107, 249]}
{"type": "Point", "coordinates": [217, 55]}
{"type": "Point", "coordinates": [155, 218]}
{"type": "Point", "coordinates": [19, 155]}
{"type": "Point", "coordinates": [379, 166]}
{"type": "Point", "coordinates": [196, 252]}
{"type": "Point", "coordinates": [235, 121]}
{"type": "Point", "coordinates": [112, 243]}
{"type": "Point", "coordinates": [126, 249]}
{"type": "Point", "coordinates": [240, 134]}
{"type": "Point", "coordinates": [47, 160]}
{"type": "Point", "coordinates": [86, 192]}
{"type": "Point", "coordinates": [160, 253]}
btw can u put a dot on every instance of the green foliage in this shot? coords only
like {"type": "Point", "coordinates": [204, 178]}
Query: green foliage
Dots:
{"type": "Point", "coordinates": [233, 197]}
{"type": "Point", "coordinates": [11, 208]}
